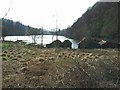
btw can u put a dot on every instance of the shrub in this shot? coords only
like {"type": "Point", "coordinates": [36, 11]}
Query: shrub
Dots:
{"type": "Point", "coordinates": [3, 54]}
{"type": "Point", "coordinates": [19, 56]}
{"type": "Point", "coordinates": [4, 58]}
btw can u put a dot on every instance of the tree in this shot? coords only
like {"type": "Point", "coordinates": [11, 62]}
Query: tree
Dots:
{"type": "Point", "coordinates": [33, 33]}
{"type": "Point", "coordinates": [0, 29]}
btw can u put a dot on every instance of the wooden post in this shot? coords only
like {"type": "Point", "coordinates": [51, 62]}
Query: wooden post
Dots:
{"type": "Point", "coordinates": [42, 36]}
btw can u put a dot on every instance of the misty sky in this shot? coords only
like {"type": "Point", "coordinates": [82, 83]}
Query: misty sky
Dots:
{"type": "Point", "coordinates": [38, 13]}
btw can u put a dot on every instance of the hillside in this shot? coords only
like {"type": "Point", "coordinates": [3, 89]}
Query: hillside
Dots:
{"type": "Point", "coordinates": [99, 21]}
{"type": "Point", "coordinates": [12, 28]}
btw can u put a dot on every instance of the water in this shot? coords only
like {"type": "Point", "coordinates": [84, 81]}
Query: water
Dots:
{"type": "Point", "coordinates": [46, 39]}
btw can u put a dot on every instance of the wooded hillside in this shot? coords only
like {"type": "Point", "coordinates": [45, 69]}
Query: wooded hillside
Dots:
{"type": "Point", "coordinates": [12, 28]}
{"type": "Point", "coordinates": [99, 22]}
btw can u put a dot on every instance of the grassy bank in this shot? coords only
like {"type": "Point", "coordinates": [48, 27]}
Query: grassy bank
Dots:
{"type": "Point", "coordinates": [32, 67]}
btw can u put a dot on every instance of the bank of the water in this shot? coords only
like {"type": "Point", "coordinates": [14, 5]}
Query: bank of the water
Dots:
{"type": "Point", "coordinates": [46, 39]}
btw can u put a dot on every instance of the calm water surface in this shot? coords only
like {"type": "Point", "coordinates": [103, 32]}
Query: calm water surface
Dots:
{"type": "Point", "coordinates": [46, 39]}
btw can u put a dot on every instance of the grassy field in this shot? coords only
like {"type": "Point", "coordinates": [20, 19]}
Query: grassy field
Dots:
{"type": "Point", "coordinates": [32, 67]}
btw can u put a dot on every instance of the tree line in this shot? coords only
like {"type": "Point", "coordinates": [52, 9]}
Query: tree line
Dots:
{"type": "Point", "coordinates": [11, 28]}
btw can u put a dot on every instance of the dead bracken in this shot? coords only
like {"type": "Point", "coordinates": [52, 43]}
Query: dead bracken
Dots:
{"type": "Point", "coordinates": [59, 68]}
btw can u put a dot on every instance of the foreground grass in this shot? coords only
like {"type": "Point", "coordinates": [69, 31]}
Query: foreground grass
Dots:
{"type": "Point", "coordinates": [41, 67]}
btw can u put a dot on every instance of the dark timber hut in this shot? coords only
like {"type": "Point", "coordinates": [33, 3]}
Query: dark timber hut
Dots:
{"type": "Point", "coordinates": [88, 44]}
{"type": "Point", "coordinates": [66, 44]}
{"type": "Point", "coordinates": [56, 43]}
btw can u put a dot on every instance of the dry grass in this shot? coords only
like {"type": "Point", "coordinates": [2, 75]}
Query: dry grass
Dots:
{"type": "Point", "coordinates": [35, 67]}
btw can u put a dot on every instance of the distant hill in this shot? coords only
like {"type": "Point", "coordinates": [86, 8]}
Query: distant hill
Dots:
{"type": "Point", "coordinates": [99, 22]}
{"type": "Point", "coordinates": [12, 28]}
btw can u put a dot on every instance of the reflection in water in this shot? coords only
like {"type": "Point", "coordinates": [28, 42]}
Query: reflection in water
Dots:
{"type": "Point", "coordinates": [46, 39]}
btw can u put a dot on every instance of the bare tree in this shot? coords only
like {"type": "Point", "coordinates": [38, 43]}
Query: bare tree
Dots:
{"type": "Point", "coordinates": [33, 33]}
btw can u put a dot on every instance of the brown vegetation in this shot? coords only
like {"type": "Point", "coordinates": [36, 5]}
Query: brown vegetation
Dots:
{"type": "Point", "coordinates": [67, 68]}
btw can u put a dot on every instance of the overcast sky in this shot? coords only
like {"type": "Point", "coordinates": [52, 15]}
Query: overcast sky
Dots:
{"type": "Point", "coordinates": [38, 13]}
